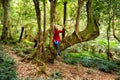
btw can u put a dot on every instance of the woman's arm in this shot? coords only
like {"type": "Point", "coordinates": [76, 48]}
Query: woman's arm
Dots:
{"type": "Point", "coordinates": [61, 31]}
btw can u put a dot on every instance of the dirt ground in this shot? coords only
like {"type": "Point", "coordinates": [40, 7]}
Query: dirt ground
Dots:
{"type": "Point", "coordinates": [68, 72]}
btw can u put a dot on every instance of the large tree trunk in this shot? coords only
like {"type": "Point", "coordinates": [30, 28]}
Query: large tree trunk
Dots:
{"type": "Point", "coordinates": [52, 18]}
{"type": "Point", "coordinates": [6, 23]}
{"type": "Point", "coordinates": [91, 32]}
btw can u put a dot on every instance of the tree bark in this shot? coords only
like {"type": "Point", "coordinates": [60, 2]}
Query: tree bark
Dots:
{"type": "Point", "coordinates": [44, 25]}
{"type": "Point", "coordinates": [22, 30]}
{"type": "Point", "coordinates": [6, 23]}
{"type": "Point", "coordinates": [113, 27]}
{"type": "Point", "coordinates": [80, 3]}
{"type": "Point", "coordinates": [38, 16]}
{"type": "Point", "coordinates": [109, 54]}
{"type": "Point", "coordinates": [44, 5]}
{"type": "Point", "coordinates": [64, 19]}
{"type": "Point", "coordinates": [52, 18]}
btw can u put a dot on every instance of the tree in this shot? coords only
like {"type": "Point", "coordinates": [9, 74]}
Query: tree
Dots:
{"type": "Point", "coordinates": [44, 25]}
{"type": "Point", "coordinates": [110, 11]}
{"type": "Point", "coordinates": [40, 36]}
{"type": "Point", "coordinates": [115, 16]}
{"type": "Point", "coordinates": [113, 27]}
{"type": "Point", "coordinates": [44, 5]}
{"type": "Point", "coordinates": [64, 18]}
{"type": "Point", "coordinates": [111, 16]}
{"type": "Point", "coordinates": [80, 3]}
{"type": "Point", "coordinates": [91, 32]}
{"type": "Point", "coordinates": [6, 22]}
{"type": "Point", "coordinates": [52, 17]}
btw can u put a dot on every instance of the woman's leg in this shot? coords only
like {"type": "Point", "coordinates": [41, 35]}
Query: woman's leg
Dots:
{"type": "Point", "coordinates": [57, 46]}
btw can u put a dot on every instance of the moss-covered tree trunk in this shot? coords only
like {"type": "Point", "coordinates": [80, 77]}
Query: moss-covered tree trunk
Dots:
{"type": "Point", "coordinates": [91, 32]}
{"type": "Point", "coordinates": [6, 26]}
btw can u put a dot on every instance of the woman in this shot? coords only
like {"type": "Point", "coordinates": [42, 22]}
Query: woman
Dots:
{"type": "Point", "coordinates": [56, 39]}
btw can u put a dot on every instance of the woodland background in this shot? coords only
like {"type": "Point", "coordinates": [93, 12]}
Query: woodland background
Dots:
{"type": "Point", "coordinates": [91, 37]}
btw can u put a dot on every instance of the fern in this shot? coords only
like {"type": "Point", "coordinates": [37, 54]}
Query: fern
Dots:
{"type": "Point", "coordinates": [93, 61]}
{"type": "Point", "coordinates": [7, 71]}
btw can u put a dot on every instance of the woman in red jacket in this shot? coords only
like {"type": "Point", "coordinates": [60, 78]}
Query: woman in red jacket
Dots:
{"type": "Point", "coordinates": [56, 39]}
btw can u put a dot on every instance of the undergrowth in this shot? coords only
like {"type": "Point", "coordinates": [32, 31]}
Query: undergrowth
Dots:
{"type": "Point", "coordinates": [23, 48]}
{"type": "Point", "coordinates": [97, 61]}
{"type": "Point", "coordinates": [7, 67]}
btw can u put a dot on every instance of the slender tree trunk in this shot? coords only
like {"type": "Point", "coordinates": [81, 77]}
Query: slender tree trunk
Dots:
{"type": "Point", "coordinates": [109, 54]}
{"type": "Point", "coordinates": [38, 15]}
{"type": "Point", "coordinates": [64, 19]}
{"type": "Point", "coordinates": [22, 30]}
{"type": "Point", "coordinates": [44, 25]}
{"type": "Point", "coordinates": [113, 27]}
{"type": "Point", "coordinates": [88, 10]}
{"type": "Point", "coordinates": [6, 23]}
{"type": "Point", "coordinates": [80, 3]}
{"type": "Point", "coordinates": [44, 5]}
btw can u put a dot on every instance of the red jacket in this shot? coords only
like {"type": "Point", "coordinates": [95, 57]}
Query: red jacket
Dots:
{"type": "Point", "coordinates": [56, 36]}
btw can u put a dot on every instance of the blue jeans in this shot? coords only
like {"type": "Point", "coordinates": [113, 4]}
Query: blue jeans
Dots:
{"type": "Point", "coordinates": [57, 46]}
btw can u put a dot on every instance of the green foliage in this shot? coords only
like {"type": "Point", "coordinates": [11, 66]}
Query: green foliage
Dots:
{"type": "Point", "coordinates": [97, 61]}
{"type": "Point", "coordinates": [24, 48]}
{"type": "Point", "coordinates": [103, 42]}
{"type": "Point", "coordinates": [7, 68]}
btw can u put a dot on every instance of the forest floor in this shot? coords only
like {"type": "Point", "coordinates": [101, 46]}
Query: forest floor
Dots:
{"type": "Point", "coordinates": [68, 72]}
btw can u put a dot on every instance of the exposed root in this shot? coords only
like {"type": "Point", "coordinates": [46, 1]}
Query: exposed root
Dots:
{"type": "Point", "coordinates": [41, 68]}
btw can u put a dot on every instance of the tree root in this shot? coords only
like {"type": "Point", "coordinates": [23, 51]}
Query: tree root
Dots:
{"type": "Point", "coordinates": [41, 68]}
{"type": "Point", "coordinates": [27, 58]}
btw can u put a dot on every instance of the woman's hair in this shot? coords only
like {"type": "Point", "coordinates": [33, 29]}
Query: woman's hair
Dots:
{"type": "Point", "coordinates": [55, 26]}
